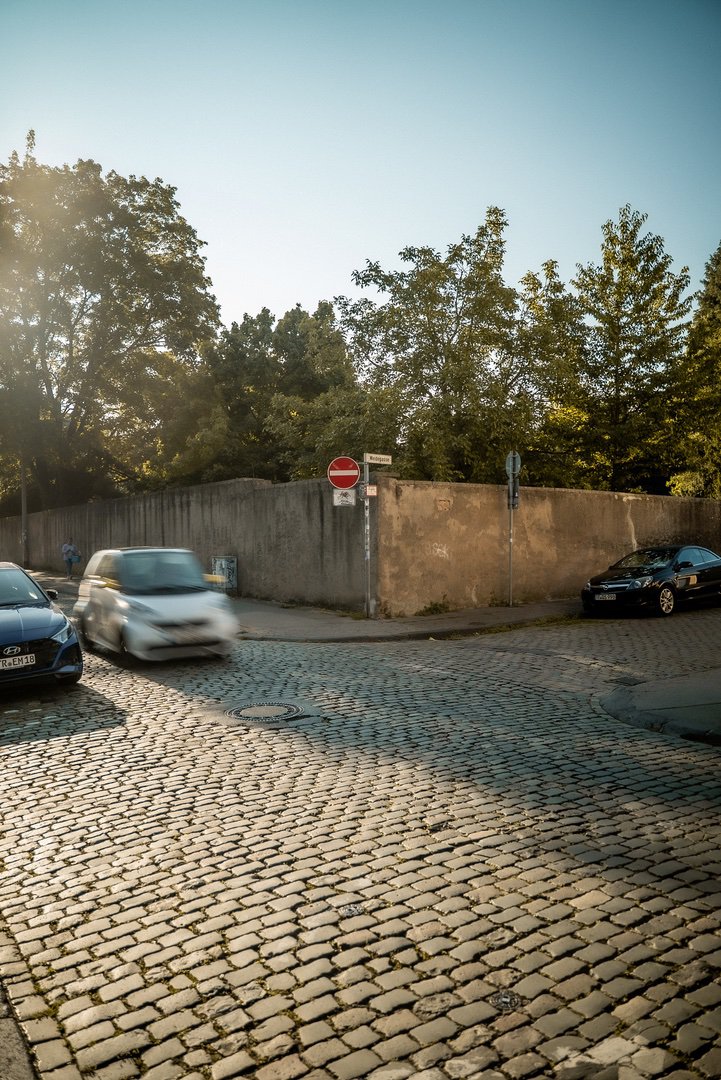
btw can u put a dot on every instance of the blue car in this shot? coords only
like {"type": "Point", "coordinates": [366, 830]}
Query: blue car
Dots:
{"type": "Point", "coordinates": [36, 639]}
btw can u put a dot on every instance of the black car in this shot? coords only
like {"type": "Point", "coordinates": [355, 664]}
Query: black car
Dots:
{"type": "Point", "coordinates": [36, 639]}
{"type": "Point", "coordinates": [656, 578]}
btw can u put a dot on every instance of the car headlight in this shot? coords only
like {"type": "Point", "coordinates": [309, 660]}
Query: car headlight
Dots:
{"type": "Point", "coordinates": [588, 584]}
{"type": "Point", "coordinates": [63, 633]}
{"type": "Point", "coordinates": [640, 582]}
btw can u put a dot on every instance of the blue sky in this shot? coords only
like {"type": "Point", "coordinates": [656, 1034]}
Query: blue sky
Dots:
{"type": "Point", "coordinates": [306, 136]}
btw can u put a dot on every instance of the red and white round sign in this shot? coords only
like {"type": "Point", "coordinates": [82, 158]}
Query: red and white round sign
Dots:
{"type": "Point", "coordinates": [344, 472]}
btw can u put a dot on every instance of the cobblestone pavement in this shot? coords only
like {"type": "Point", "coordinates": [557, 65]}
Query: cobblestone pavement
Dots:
{"type": "Point", "coordinates": [420, 859]}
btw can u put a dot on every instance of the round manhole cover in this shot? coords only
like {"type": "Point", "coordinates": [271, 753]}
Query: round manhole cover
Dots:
{"type": "Point", "coordinates": [265, 710]}
{"type": "Point", "coordinates": [505, 1000]}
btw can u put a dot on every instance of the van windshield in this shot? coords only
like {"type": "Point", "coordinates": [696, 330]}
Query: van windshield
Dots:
{"type": "Point", "coordinates": [152, 572]}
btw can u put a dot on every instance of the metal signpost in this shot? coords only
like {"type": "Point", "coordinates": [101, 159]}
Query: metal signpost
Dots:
{"type": "Point", "coordinates": [368, 493]}
{"type": "Point", "coordinates": [513, 468]}
{"type": "Point", "coordinates": [344, 474]}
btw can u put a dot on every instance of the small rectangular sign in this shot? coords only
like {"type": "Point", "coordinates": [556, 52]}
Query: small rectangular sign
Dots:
{"type": "Point", "coordinates": [344, 497]}
{"type": "Point", "coordinates": [377, 459]}
{"type": "Point", "coordinates": [371, 489]}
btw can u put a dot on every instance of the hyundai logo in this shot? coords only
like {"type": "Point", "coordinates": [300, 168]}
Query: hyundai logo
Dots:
{"type": "Point", "coordinates": [12, 650]}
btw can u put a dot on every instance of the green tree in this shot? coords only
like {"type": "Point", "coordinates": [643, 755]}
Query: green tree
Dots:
{"type": "Point", "coordinates": [272, 378]}
{"type": "Point", "coordinates": [636, 309]}
{"type": "Point", "coordinates": [442, 345]}
{"type": "Point", "coordinates": [245, 373]}
{"type": "Point", "coordinates": [103, 303]}
{"type": "Point", "coordinates": [553, 339]}
{"type": "Point", "coordinates": [699, 393]}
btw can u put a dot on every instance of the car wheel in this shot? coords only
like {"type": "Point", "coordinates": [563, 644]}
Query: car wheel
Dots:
{"type": "Point", "coordinates": [666, 600]}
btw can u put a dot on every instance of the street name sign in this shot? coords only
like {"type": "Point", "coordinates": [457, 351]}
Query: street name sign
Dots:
{"type": "Point", "coordinates": [377, 459]}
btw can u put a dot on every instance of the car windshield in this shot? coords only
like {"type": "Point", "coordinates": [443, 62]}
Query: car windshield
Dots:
{"type": "Point", "coordinates": [17, 588]}
{"type": "Point", "coordinates": [146, 572]}
{"type": "Point", "coordinates": [647, 558]}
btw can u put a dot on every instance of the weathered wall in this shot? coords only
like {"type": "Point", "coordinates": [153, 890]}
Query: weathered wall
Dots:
{"type": "Point", "coordinates": [449, 543]}
{"type": "Point", "coordinates": [430, 543]}
{"type": "Point", "coordinates": [291, 543]}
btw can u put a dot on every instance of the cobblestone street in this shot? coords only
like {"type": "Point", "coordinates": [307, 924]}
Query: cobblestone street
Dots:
{"type": "Point", "coordinates": [413, 859]}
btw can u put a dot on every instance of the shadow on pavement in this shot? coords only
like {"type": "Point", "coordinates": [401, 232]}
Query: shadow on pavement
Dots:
{"type": "Point", "coordinates": [33, 713]}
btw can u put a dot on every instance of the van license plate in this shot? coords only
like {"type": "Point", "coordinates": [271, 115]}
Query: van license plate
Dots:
{"type": "Point", "coordinates": [606, 596]}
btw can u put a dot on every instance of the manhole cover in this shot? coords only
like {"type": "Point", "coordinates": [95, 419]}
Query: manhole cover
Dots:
{"type": "Point", "coordinates": [505, 1000]}
{"type": "Point", "coordinates": [265, 710]}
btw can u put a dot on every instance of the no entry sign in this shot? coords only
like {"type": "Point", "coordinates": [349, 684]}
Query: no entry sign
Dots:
{"type": "Point", "coordinates": [344, 472]}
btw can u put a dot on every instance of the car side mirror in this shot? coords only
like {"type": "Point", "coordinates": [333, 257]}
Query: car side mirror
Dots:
{"type": "Point", "coordinates": [683, 565]}
{"type": "Point", "coordinates": [52, 593]}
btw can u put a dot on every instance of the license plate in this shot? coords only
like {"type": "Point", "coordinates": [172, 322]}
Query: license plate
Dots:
{"type": "Point", "coordinates": [189, 637]}
{"type": "Point", "coordinates": [606, 596]}
{"type": "Point", "coordinates": [17, 661]}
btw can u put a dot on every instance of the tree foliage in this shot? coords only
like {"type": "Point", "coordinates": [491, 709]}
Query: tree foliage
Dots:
{"type": "Point", "coordinates": [636, 309]}
{"type": "Point", "coordinates": [442, 342]}
{"type": "Point", "coordinates": [103, 304]}
{"type": "Point", "coordinates": [698, 393]}
{"type": "Point", "coordinates": [115, 373]}
{"type": "Point", "coordinates": [553, 338]}
{"type": "Point", "coordinates": [271, 384]}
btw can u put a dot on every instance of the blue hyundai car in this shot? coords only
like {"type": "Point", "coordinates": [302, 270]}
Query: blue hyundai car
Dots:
{"type": "Point", "coordinates": [36, 640]}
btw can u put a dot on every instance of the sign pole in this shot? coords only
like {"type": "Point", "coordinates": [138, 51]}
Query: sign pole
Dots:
{"type": "Point", "coordinates": [510, 547]}
{"type": "Point", "coordinates": [513, 468]}
{"type": "Point", "coordinates": [368, 492]}
{"type": "Point", "coordinates": [367, 538]}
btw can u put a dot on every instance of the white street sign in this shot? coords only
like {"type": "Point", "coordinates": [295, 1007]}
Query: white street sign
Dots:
{"type": "Point", "coordinates": [377, 459]}
{"type": "Point", "coordinates": [344, 497]}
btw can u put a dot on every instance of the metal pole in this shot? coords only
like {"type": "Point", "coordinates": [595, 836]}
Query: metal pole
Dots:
{"type": "Point", "coordinates": [510, 543]}
{"type": "Point", "coordinates": [367, 538]}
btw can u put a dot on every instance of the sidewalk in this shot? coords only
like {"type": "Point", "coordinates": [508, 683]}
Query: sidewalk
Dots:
{"type": "Point", "coordinates": [688, 706]}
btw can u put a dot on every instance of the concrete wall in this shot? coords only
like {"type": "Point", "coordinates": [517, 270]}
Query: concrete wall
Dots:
{"type": "Point", "coordinates": [430, 543]}
{"type": "Point", "coordinates": [291, 543]}
{"type": "Point", "coordinates": [449, 543]}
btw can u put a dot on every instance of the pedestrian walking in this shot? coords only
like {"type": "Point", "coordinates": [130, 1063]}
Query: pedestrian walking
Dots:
{"type": "Point", "coordinates": [71, 555]}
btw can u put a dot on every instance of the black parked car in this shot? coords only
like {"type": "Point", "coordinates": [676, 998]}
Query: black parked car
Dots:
{"type": "Point", "coordinates": [656, 578]}
{"type": "Point", "coordinates": [36, 639]}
